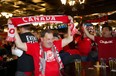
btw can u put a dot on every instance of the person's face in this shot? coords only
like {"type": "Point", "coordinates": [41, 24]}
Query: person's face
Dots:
{"type": "Point", "coordinates": [47, 40]}
{"type": "Point", "coordinates": [106, 32]}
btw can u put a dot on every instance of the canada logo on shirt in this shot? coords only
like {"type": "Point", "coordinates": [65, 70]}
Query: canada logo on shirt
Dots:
{"type": "Point", "coordinates": [50, 56]}
{"type": "Point", "coordinates": [106, 42]}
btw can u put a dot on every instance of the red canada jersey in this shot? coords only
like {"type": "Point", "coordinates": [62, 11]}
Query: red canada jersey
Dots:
{"type": "Point", "coordinates": [52, 66]}
{"type": "Point", "coordinates": [106, 47]}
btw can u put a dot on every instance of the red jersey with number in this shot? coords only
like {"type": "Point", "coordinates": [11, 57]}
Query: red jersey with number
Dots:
{"type": "Point", "coordinates": [106, 47]}
{"type": "Point", "coordinates": [52, 66]}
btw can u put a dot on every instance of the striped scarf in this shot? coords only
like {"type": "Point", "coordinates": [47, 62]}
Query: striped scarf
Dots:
{"type": "Point", "coordinates": [43, 59]}
{"type": "Point", "coordinates": [20, 21]}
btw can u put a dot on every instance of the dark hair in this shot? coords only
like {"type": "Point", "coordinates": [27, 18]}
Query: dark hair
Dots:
{"type": "Point", "coordinates": [107, 26]}
{"type": "Point", "coordinates": [45, 31]}
{"type": "Point", "coordinates": [27, 27]}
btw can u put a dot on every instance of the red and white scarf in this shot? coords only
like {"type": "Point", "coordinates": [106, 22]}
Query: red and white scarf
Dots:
{"type": "Point", "coordinates": [19, 21]}
{"type": "Point", "coordinates": [42, 58]}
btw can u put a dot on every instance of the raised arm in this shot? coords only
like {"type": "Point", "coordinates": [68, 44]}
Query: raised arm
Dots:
{"type": "Point", "coordinates": [18, 42]}
{"type": "Point", "coordinates": [87, 33]}
{"type": "Point", "coordinates": [68, 39]}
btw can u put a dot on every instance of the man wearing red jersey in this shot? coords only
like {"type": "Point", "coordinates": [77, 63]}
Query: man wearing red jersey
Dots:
{"type": "Point", "coordinates": [83, 46]}
{"type": "Point", "coordinates": [45, 54]}
{"type": "Point", "coordinates": [106, 43]}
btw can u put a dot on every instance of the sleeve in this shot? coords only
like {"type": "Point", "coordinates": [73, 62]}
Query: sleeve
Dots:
{"type": "Point", "coordinates": [32, 48]}
{"type": "Point", "coordinates": [23, 37]}
{"type": "Point", "coordinates": [17, 52]}
{"type": "Point", "coordinates": [58, 44]}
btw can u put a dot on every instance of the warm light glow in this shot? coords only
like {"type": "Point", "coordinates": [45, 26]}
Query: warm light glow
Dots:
{"type": "Point", "coordinates": [81, 1]}
{"type": "Point", "coordinates": [43, 4]}
{"type": "Point", "coordinates": [44, 28]}
{"type": "Point", "coordinates": [51, 27]}
{"type": "Point", "coordinates": [98, 69]}
{"type": "Point", "coordinates": [42, 9]}
{"type": "Point", "coordinates": [36, 1]}
{"type": "Point", "coordinates": [7, 15]}
{"type": "Point", "coordinates": [4, 13]}
{"type": "Point", "coordinates": [76, 24]}
{"type": "Point", "coordinates": [113, 28]}
{"type": "Point", "coordinates": [41, 23]}
{"type": "Point", "coordinates": [5, 29]}
{"type": "Point", "coordinates": [35, 24]}
{"type": "Point", "coordinates": [63, 1]}
{"type": "Point", "coordinates": [94, 23]}
{"type": "Point", "coordinates": [100, 28]}
{"type": "Point", "coordinates": [71, 2]}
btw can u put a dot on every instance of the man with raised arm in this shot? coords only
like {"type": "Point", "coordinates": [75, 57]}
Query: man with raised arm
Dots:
{"type": "Point", "coordinates": [25, 64]}
{"type": "Point", "coordinates": [106, 43]}
{"type": "Point", "coordinates": [46, 53]}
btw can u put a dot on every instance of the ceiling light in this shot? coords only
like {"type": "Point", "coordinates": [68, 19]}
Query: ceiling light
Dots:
{"type": "Point", "coordinates": [36, 1]}
{"type": "Point", "coordinates": [44, 4]}
{"type": "Point", "coordinates": [71, 2]}
{"type": "Point", "coordinates": [4, 13]}
{"type": "Point", "coordinates": [63, 1]}
{"type": "Point", "coordinates": [7, 15]}
{"type": "Point", "coordinates": [42, 9]}
{"type": "Point", "coordinates": [81, 1]}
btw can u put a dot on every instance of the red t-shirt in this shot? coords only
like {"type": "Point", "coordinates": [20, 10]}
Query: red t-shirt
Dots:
{"type": "Point", "coordinates": [84, 46]}
{"type": "Point", "coordinates": [71, 51]}
{"type": "Point", "coordinates": [52, 67]}
{"type": "Point", "coordinates": [106, 47]}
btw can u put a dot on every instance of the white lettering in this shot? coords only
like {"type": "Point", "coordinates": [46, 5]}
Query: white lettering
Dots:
{"type": "Point", "coordinates": [38, 18]}
{"type": "Point", "coordinates": [47, 18]}
{"type": "Point", "coordinates": [24, 19]}
{"type": "Point", "coordinates": [31, 39]}
{"type": "Point", "coordinates": [31, 19]}
{"type": "Point", "coordinates": [42, 18]}
{"type": "Point", "coordinates": [53, 18]}
{"type": "Point", "coordinates": [106, 42]}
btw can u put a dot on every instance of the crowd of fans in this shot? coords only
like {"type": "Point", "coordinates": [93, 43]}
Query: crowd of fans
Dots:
{"type": "Point", "coordinates": [85, 45]}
